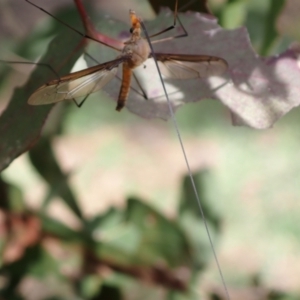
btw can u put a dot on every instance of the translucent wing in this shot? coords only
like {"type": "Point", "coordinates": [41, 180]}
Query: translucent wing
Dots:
{"type": "Point", "coordinates": [76, 84]}
{"type": "Point", "coordinates": [183, 66]}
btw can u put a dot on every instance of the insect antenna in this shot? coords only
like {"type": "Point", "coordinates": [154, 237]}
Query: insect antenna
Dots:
{"type": "Point", "coordinates": [187, 163]}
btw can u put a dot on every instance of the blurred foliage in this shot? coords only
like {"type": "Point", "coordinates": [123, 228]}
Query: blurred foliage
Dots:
{"type": "Point", "coordinates": [134, 252]}
{"type": "Point", "coordinates": [137, 242]}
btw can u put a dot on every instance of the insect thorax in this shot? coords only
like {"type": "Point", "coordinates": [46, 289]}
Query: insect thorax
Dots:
{"type": "Point", "coordinates": [139, 50]}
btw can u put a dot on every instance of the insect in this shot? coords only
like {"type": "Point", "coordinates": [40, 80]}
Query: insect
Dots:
{"type": "Point", "coordinates": [135, 52]}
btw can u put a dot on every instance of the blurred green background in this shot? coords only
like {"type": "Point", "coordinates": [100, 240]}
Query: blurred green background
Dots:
{"type": "Point", "coordinates": [101, 208]}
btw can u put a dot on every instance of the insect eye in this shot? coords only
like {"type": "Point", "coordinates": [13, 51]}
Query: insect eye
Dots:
{"type": "Point", "coordinates": [131, 30]}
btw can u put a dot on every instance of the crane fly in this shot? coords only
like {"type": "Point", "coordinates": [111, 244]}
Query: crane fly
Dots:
{"type": "Point", "coordinates": [135, 52]}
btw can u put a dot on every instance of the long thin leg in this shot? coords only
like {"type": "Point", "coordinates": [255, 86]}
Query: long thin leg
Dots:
{"type": "Point", "coordinates": [44, 65]}
{"type": "Point", "coordinates": [140, 86]}
{"type": "Point", "coordinates": [176, 10]}
{"type": "Point", "coordinates": [172, 37]}
{"type": "Point", "coordinates": [134, 76]}
{"type": "Point", "coordinates": [80, 103]}
{"type": "Point", "coordinates": [143, 94]}
{"type": "Point", "coordinates": [92, 33]}
{"type": "Point", "coordinates": [170, 27]}
{"type": "Point", "coordinates": [31, 63]}
{"type": "Point", "coordinates": [199, 203]}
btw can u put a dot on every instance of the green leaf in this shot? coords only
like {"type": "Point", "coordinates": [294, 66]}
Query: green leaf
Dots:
{"type": "Point", "coordinates": [233, 14]}
{"type": "Point", "coordinates": [270, 26]}
{"type": "Point", "coordinates": [191, 218]}
{"type": "Point", "coordinates": [59, 229]}
{"type": "Point", "coordinates": [11, 197]}
{"type": "Point", "coordinates": [90, 285]}
{"type": "Point", "coordinates": [35, 262]}
{"type": "Point", "coordinates": [188, 201]}
{"type": "Point", "coordinates": [161, 238]}
{"type": "Point", "coordinates": [42, 157]}
{"type": "Point", "coordinates": [108, 292]}
{"type": "Point", "coordinates": [111, 218]}
{"type": "Point", "coordinates": [20, 123]}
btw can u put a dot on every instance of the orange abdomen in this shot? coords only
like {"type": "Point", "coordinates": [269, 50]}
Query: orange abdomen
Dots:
{"type": "Point", "coordinates": [124, 91]}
